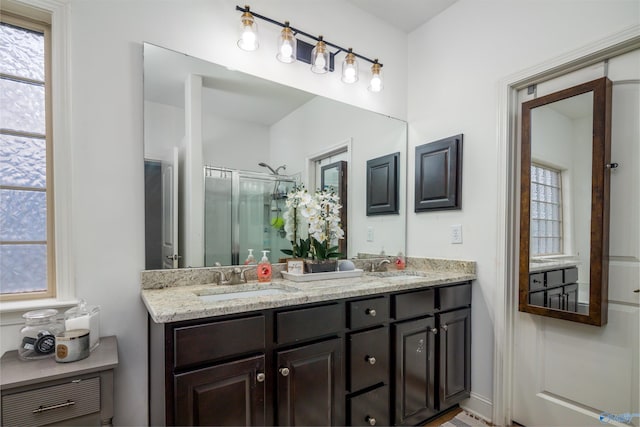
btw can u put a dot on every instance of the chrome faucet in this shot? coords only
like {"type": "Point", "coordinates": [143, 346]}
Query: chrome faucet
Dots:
{"type": "Point", "coordinates": [381, 266]}
{"type": "Point", "coordinates": [236, 276]}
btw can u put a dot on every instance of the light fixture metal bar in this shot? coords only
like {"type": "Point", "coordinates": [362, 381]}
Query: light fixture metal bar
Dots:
{"type": "Point", "coordinates": [299, 31]}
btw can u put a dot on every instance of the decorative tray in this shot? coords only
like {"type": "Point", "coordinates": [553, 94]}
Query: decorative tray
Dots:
{"type": "Point", "coordinates": [312, 277]}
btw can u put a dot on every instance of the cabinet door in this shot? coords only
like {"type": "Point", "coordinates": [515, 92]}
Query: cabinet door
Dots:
{"type": "Point", "coordinates": [455, 357]}
{"type": "Point", "coordinates": [555, 298]}
{"type": "Point", "coordinates": [228, 394]}
{"type": "Point", "coordinates": [414, 398]}
{"type": "Point", "coordinates": [571, 297]}
{"type": "Point", "coordinates": [310, 389]}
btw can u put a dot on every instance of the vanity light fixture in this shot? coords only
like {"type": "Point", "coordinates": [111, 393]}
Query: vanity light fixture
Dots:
{"type": "Point", "coordinates": [320, 57]}
{"type": "Point", "coordinates": [376, 84]}
{"type": "Point", "coordinates": [248, 31]}
{"type": "Point", "coordinates": [350, 68]}
{"type": "Point", "coordinates": [287, 45]}
{"type": "Point", "coordinates": [317, 53]}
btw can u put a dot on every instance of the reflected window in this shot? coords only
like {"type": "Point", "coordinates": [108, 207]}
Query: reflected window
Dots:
{"type": "Point", "coordinates": [546, 211]}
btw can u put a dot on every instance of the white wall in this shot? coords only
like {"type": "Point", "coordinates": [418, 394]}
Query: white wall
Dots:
{"type": "Point", "coordinates": [106, 120]}
{"type": "Point", "coordinates": [455, 63]}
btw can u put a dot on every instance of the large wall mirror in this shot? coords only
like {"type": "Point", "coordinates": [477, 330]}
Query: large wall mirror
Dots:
{"type": "Point", "coordinates": [564, 206]}
{"type": "Point", "coordinates": [223, 148]}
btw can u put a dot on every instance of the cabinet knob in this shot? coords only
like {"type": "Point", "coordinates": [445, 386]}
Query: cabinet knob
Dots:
{"type": "Point", "coordinates": [371, 360]}
{"type": "Point", "coordinates": [371, 312]}
{"type": "Point", "coordinates": [434, 330]}
{"type": "Point", "coordinates": [284, 372]}
{"type": "Point", "coordinates": [370, 420]}
{"type": "Point", "coordinates": [260, 377]}
{"type": "Point", "coordinates": [444, 327]}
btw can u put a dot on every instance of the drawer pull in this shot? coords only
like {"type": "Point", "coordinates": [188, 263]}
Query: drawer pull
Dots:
{"type": "Point", "coordinates": [370, 420]}
{"type": "Point", "coordinates": [260, 377]}
{"type": "Point", "coordinates": [434, 331]}
{"type": "Point", "coordinates": [371, 360]}
{"type": "Point", "coordinates": [284, 372]}
{"type": "Point", "coordinates": [371, 312]}
{"type": "Point", "coordinates": [49, 408]}
{"type": "Point", "coordinates": [444, 327]}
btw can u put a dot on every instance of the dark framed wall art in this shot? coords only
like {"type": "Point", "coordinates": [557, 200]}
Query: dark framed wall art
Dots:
{"type": "Point", "coordinates": [438, 175]}
{"type": "Point", "coordinates": [382, 185]}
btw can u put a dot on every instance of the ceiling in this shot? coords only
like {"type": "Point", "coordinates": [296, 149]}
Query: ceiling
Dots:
{"type": "Point", "coordinates": [406, 15]}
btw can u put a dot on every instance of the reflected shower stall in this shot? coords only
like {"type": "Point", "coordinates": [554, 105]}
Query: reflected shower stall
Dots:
{"type": "Point", "coordinates": [243, 210]}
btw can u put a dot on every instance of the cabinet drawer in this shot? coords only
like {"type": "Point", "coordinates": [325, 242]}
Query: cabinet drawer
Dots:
{"type": "Point", "coordinates": [371, 408]}
{"type": "Point", "coordinates": [368, 358]}
{"type": "Point", "coordinates": [571, 275]}
{"type": "Point", "coordinates": [368, 312]}
{"type": "Point", "coordinates": [455, 296]}
{"type": "Point", "coordinates": [52, 404]}
{"type": "Point", "coordinates": [554, 278]}
{"type": "Point", "coordinates": [413, 304]}
{"type": "Point", "coordinates": [536, 281]}
{"type": "Point", "coordinates": [202, 343]}
{"type": "Point", "coordinates": [296, 325]}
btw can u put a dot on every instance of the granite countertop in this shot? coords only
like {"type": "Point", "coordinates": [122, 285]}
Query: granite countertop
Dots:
{"type": "Point", "coordinates": [537, 265]}
{"type": "Point", "coordinates": [181, 302]}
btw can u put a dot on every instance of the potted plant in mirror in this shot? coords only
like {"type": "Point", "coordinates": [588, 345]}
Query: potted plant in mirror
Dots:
{"type": "Point", "coordinates": [312, 224]}
{"type": "Point", "coordinates": [295, 226]}
{"type": "Point", "coordinates": [323, 215]}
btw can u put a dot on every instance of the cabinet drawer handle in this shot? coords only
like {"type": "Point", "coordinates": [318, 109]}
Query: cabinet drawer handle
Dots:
{"type": "Point", "coordinates": [636, 291]}
{"type": "Point", "coordinates": [370, 420]}
{"type": "Point", "coordinates": [48, 408]}
{"type": "Point", "coordinates": [371, 312]}
{"type": "Point", "coordinates": [284, 372]}
{"type": "Point", "coordinates": [434, 330]}
{"type": "Point", "coordinates": [371, 360]}
{"type": "Point", "coordinates": [444, 327]}
{"type": "Point", "coordinates": [260, 377]}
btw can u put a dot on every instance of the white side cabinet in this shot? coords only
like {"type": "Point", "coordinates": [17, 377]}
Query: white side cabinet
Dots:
{"type": "Point", "coordinates": [43, 392]}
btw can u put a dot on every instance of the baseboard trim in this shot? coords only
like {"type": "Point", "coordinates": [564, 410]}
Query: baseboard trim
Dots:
{"type": "Point", "coordinates": [479, 406]}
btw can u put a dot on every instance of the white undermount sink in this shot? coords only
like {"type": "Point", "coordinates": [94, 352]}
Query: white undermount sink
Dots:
{"type": "Point", "coordinates": [240, 291]}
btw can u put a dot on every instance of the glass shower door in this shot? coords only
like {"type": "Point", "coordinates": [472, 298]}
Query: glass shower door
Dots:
{"type": "Point", "coordinates": [243, 210]}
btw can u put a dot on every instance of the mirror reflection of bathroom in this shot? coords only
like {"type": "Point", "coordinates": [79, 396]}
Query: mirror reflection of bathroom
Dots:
{"type": "Point", "coordinates": [243, 210]}
{"type": "Point", "coordinates": [561, 162]}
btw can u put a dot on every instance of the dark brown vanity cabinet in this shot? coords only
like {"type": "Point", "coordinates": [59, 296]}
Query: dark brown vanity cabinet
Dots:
{"type": "Point", "coordinates": [225, 394]}
{"type": "Point", "coordinates": [384, 359]}
{"type": "Point", "coordinates": [556, 289]}
{"type": "Point", "coordinates": [432, 353]}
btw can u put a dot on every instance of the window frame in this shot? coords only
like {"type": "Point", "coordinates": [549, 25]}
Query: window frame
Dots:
{"type": "Point", "coordinates": [30, 24]}
{"type": "Point", "coordinates": [57, 14]}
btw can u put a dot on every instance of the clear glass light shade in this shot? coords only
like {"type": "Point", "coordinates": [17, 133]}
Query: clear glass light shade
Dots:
{"type": "Point", "coordinates": [320, 58]}
{"type": "Point", "coordinates": [376, 83]}
{"type": "Point", "coordinates": [350, 68]}
{"type": "Point", "coordinates": [248, 33]}
{"type": "Point", "coordinates": [287, 46]}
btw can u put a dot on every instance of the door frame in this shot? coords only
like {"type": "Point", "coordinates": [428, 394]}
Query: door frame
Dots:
{"type": "Point", "coordinates": [506, 296]}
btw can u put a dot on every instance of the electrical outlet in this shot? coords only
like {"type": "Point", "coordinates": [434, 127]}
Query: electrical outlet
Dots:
{"type": "Point", "coordinates": [369, 234]}
{"type": "Point", "coordinates": [456, 234]}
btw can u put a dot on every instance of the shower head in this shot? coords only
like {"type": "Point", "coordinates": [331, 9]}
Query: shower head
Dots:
{"type": "Point", "coordinates": [273, 171]}
{"type": "Point", "coordinates": [264, 165]}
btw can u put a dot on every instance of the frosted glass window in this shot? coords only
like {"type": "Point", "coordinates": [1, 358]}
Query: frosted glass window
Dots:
{"type": "Point", "coordinates": [21, 52]}
{"type": "Point", "coordinates": [546, 211]}
{"type": "Point", "coordinates": [23, 161]}
{"type": "Point", "coordinates": [22, 107]}
{"type": "Point", "coordinates": [26, 223]}
{"type": "Point", "coordinates": [23, 268]}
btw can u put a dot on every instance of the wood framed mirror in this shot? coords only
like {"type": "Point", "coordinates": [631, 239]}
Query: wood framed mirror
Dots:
{"type": "Point", "coordinates": [564, 203]}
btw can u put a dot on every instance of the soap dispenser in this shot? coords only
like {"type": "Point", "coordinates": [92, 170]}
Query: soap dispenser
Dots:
{"type": "Point", "coordinates": [251, 260]}
{"type": "Point", "coordinates": [400, 261]}
{"type": "Point", "coordinates": [264, 269]}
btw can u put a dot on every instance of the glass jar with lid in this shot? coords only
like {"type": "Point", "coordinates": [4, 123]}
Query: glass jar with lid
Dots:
{"type": "Point", "coordinates": [38, 335]}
